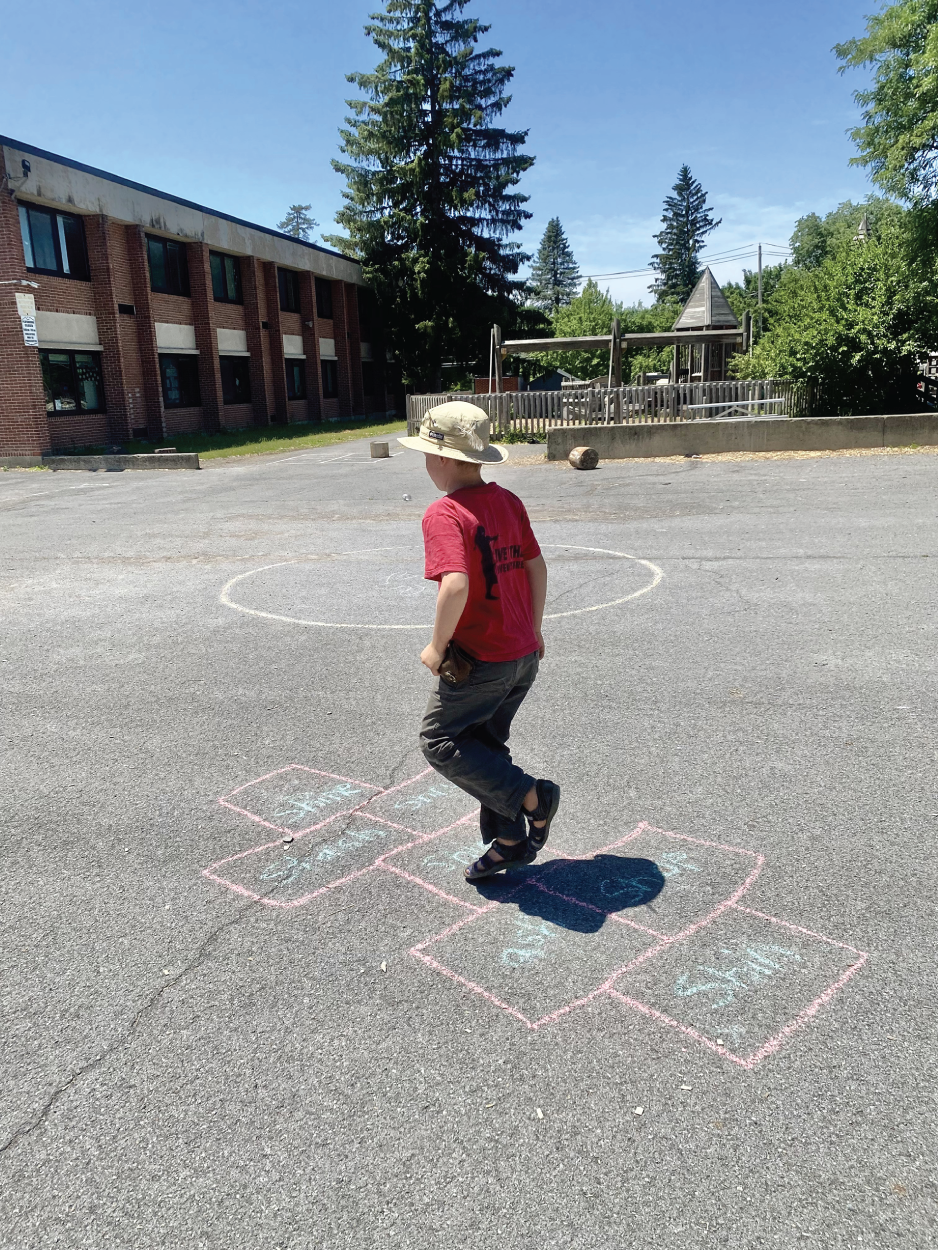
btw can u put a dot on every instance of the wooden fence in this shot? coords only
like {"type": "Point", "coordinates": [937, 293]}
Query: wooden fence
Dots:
{"type": "Point", "coordinates": [534, 412]}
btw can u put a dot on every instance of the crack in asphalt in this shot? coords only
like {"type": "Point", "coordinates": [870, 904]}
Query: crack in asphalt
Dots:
{"type": "Point", "coordinates": [119, 1043]}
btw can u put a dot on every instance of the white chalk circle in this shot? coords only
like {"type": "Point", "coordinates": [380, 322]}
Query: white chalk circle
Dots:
{"type": "Point", "coordinates": [384, 587]}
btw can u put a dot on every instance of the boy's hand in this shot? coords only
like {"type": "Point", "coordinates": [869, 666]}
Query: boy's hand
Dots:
{"type": "Point", "coordinates": [432, 658]}
{"type": "Point", "coordinates": [541, 646]}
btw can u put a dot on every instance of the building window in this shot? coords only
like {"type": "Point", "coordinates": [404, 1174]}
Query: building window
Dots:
{"type": "Point", "coordinates": [296, 379]}
{"type": "Point", "coordinates": [72, 381]}
{"type": "Point", "coordinates": [330, 379]}
{"type": "Point", "coordinates": [289, 283]}
{"type": "Point", "coordinates": [367, 314]}
{"type": "Point", "coordinates": [226, 278]}
{"type": "Point", "coordinates": [235, 379]}
{"type": "Point", "coordinates": [53, 242]}
{"type": "Point", "coordinates": [324, 298]}
{"type": "Point", "coordinates": [169, 266]}
{"type": "Point", "coordinates": [368, 377]}
{"type": "Point", "coordinates": [180, 376]}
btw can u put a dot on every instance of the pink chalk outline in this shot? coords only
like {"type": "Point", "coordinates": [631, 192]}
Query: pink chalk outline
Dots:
{"type": "Point", "coordinates": [607, 989]}
{"type": "Point", "coordinates": [297, 833]}
{"type": "Point", "coordinates": [776, 1041]}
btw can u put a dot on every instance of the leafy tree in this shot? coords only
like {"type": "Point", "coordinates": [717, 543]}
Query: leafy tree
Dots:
{"type": "Point", "coordinates": [854, 323]}
{"type": "Point", "coordinates": [815, 237]}
{"type": "Point", "coordinates": [743, 296]}
{"type": "Point", "coordinates": [898, 140]}
{"type": "Point", "coordinates": [555, 276]}
{"type": "Point", "coordinates": [591, 312]}
{"type": "Point", "coordinates": [686, 222]}
{"type": "Point", "coordinates": [298, 221]}
{"type": "Point", "coordinates": [429, 205]}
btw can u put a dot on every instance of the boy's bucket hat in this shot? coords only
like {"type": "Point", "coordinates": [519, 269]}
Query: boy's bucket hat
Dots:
{"type": "Point", "coordinates": [457, 430]}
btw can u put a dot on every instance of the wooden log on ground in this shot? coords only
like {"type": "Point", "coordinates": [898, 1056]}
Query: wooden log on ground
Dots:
{"type": "Point", "coordinates": [584, 457]}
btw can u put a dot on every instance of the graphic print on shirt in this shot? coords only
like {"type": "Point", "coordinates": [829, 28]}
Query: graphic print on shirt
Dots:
{"type": "Point", "coordinates": [484, 542]}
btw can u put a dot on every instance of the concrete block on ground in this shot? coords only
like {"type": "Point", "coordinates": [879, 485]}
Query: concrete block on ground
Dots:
{"type": "Point", "coordinates": [380, 451]}
{"type": "Point", "coordinates": [21, 462]}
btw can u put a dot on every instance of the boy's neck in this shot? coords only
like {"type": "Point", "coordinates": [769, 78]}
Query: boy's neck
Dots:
{"type": "Point", "coordinates": [465, 479]}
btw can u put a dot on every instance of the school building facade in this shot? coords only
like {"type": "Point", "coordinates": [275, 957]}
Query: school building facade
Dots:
{"type": "Point", "coordinates": [127, 312]}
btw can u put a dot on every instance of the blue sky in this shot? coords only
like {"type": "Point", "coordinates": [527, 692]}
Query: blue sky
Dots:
{"type": "Point", "coordinates": [237, 105]}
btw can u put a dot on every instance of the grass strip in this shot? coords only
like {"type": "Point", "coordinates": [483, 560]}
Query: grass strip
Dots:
{"type": "Point", "coordinates": [264, 438]}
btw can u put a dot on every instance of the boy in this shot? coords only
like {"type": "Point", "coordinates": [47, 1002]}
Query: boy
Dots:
{"type": "Point", "coordinates": [493, 583]}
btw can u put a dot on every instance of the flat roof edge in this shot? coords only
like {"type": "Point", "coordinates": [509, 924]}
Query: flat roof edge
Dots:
{"type": "Point", "coordinates": [7, 142]}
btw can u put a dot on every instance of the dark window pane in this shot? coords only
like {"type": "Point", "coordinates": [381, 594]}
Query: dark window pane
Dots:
{"type": "Point", "coordinates": [157, 259]}
{"type": "Point", "coordinates": [324, 298]}
{"type": "Point", "coordinates": [40, 227]}
{"type": "Point", "coordinates": [180, 376]}
{"type": "Point", "coordinates": [27, 241]}
{"type": "Point", "coordinates": [330, 379]}
{"type": "Point", "coordinates": [296, 379]}
{"type": "Point", "coordinates": [218, 275]}
{"type": "Point", "coordinates": [235, 379]}
{"type": "Point", "coordinates": [289, 284]}
{"type": "Point", "coordinates": [177, 269]}
{"type": "Point", "coordinates": [368, 377]}
{"type": "Point", "coordinates": [59, 382]}
{"type": "Point", "coordinates": [74, 251]}
{"type": "Point", "coordinates": [88, 372]}
{"type": "Point", "coordinates": [233, 279]}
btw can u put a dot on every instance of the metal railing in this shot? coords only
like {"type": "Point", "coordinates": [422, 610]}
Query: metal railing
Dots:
{"type": "Point", "coordinates": [534, 412]}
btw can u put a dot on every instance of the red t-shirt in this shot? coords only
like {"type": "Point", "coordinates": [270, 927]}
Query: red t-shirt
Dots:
{"type": "Point", "coordinates": [484, 531]}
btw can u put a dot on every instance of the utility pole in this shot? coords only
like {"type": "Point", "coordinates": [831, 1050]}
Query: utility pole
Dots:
{"type": "Point", "coordinates": [760, 290]}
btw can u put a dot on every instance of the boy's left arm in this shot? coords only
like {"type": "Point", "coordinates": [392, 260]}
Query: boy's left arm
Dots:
{"type": "Point", "coordinates": [450, 604]}
{"type": "Point", "coordinates": [536, 570]}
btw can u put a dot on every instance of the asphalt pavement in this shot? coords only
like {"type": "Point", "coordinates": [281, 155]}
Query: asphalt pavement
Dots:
{"type": "Point", "coordinates": [247, 999]}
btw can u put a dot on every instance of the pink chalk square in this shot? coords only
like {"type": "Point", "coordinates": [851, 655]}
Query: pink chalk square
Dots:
{"type": "Point", "coordinates": [665, 882]}
{"type": "Point", "coordinates": [289, 875]}
{"type": "Point", "coordinates": [295, 799]}
{"type": "Point", "coordinates": [533, 954]}
{"type": "Point", "coordinates": [742, 984]}
{"type": "Point", "coordinates": [425, 804]}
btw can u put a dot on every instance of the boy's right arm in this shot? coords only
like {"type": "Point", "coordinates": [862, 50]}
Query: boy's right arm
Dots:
{"type": "Point", "coordinates": [536, 570]}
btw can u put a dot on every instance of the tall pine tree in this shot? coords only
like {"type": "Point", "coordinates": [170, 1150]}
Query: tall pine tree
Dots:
{"type": "Point", "coordinates": [429, 208]}
{"type": "Point", "coordinates": [555, 276]}
{"type": "Point", "coordinates": [687, 221]}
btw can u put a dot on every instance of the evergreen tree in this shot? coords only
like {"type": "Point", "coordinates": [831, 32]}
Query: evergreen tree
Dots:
{"type": "Point", "coordinates": [298, 221]}
{"type": "Point", "coordinates": [555, 276]}
{"type": "Point", "coordinates": [429, 206]}
{"type": "Point", "coordinates": [686, 221]}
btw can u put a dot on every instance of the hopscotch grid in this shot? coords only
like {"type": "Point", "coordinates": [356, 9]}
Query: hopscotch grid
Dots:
{"type": "Point", "coordinates": [607, 988]}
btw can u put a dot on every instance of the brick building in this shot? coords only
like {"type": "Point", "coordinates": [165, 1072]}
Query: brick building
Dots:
{"type": "Point", "coordinates": [128, 312]}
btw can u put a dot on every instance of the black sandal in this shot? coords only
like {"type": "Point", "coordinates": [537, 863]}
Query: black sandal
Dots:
{"type": "Point", "coordinates": [548, 800]}
{"type": "Point", "coordinates": [486, 866]}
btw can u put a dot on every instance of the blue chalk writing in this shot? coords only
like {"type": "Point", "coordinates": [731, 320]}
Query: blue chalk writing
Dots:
{"type": "Point", "coordinates": [673, 863]}
{"type": "Point", "coordinates": [751, 967]}
{"type": "Point", "coordinates": [416, 801]}
{"type": "Point", "coordinates": [630, 891]}
{"type": "Point", "coordinates": [535, 940]}
{"type": "Point", "coordinates": [294, 807]}
{"type": "Point", "coordinates": [289, 868]}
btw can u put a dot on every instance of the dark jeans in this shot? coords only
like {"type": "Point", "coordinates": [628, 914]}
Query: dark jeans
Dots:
{"type": "Point", "coordinates": [464, 736]}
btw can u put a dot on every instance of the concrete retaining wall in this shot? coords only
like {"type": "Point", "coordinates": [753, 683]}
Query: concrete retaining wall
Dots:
{"type": "Point", "coordinates": [109, 464]}
{"type": "Point", "coordinates": [682, 438]}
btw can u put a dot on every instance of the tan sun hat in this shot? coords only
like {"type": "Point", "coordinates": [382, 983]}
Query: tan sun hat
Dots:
{"type": "Point", "coordinates": [457, 430]}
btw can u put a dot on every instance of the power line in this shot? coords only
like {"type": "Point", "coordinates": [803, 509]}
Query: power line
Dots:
{"type": "Point", "coordinates": [744, 252]}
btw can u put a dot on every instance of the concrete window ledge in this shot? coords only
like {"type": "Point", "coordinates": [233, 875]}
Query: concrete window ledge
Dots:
{"type": "Point", "coordinates": [677, 438]}
{"type": "Point", "coordinates": [103, 464]}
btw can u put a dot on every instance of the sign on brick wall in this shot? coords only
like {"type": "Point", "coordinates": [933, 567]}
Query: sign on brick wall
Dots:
{"type": "Point", "coordinates": [26, 307]}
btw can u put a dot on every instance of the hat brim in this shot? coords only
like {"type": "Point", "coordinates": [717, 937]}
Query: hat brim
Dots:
{"type": "Point", "coordinates": [493, 454]}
